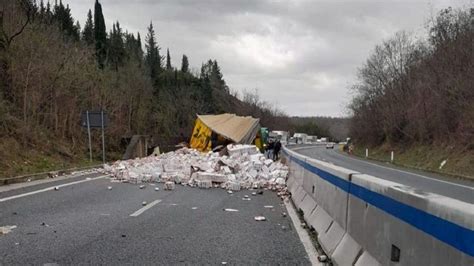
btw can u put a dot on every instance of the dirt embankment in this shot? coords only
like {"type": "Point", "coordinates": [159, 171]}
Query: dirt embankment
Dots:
{"type": "Point", "coordinates": [450, 160]}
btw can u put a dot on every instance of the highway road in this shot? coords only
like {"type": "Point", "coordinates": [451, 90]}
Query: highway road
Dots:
{"type": "Point", "coordinates": [462, 190]}
{"type": "Point", "coordinates": [85, 223]}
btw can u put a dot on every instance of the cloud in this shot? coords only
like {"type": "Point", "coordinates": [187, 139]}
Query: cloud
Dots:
{"type": "Point", "coordinates": [302, 55]}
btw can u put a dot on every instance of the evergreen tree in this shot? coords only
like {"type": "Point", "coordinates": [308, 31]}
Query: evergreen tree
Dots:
{"type": "Point", "coordinates": [42, 9]}
{"type": "Point", "coordinates": [88, 31]}
{"type": "Point", "coordinates": [62, 16]}
{"type": "Point", "coordinates": [168, 60]}
{"type": "Point", "coordinates": [139, 41]}
{"type": "Point", "coordinates": [77, 31]}
{"type": "Point", "coordinates": [152, 57]}
{"type": "Point", "coordinates": [116, 51]}
{"type": "Point", "coordinates": [48, 12]}
{"type": "Point", "coordinates": [216, 77]}
{"type": "Point", "coordinates": [100, 35]}
{"type": "Point", "coordinates": [184, 64]}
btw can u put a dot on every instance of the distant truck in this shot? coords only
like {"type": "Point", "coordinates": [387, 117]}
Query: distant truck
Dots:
{"type": "Point", "coordinates": [280, 135]}
{"type": "Point", "coordinates": [311, 139]}
{"type": "Point", "coordinates": [301, 138]}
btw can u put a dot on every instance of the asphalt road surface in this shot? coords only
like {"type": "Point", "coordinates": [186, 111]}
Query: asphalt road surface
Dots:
{"type": "Point", "coordinates": [85, 223]}
{"type": "Point", "coordinates": [447, 186]}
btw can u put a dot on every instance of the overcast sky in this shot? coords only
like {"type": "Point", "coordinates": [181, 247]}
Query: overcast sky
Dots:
{"type": "Point", "coordinates": [301, 55]}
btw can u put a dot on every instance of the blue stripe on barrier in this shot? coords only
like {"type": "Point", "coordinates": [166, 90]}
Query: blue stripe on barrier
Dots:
{"type": "Point", "coordinates": [446, 231]}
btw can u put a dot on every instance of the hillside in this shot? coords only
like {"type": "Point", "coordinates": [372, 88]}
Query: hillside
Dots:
{"type": "Point", "coordinates": [52, 70]}
{"type": "Point", "coordinates": [419, 91]}
{"type": "Point", "coordinates": [415, 96]}
{"type": "Point", "coordinates": [334, 127]}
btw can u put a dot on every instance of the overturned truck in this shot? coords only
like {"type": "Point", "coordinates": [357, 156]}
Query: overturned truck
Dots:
{"type": "Point", "coordinates": [211, 131]}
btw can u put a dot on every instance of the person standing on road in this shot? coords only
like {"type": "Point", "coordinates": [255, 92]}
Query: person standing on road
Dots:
{"type": "Point", "coordinates": [270, 147]}
{"type": "Point", "coordinates": [276, 150]}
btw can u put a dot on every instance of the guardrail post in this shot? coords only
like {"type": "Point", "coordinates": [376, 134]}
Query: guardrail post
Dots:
{"type": "Point", "coordinates": [391, 157]}
{"type": "Point", "coordinates": [366, 153]}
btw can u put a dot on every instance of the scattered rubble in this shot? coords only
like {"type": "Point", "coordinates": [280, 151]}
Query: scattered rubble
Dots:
{"type": "Point", "coordinates": [109, 188]}
{"type": "Point", "coordinates": [260, 218]}
{"type": "Point", "coordinates": [169, 185]}
{"type": "Point", "coordinates": [144, 203]}
{"type": "Point", "coordinates": [6, 229]}
{"type": "Point", "coordinates": [322, 258]}
{"type": "Point", "coordinates": [243, 168]}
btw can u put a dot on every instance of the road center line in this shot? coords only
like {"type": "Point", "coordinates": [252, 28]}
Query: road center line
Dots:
{"type": "Point", "coordinates": [50, 188]}
{"type": "Point", "coordinates": [142, 210]}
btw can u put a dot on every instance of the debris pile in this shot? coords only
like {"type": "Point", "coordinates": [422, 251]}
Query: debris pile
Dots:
{"type": "Point", "coordinates": [243, 168]}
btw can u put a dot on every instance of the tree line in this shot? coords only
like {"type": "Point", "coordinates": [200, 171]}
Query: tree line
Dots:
{"type": "Point", "coordinates": [419, 91]}
{"type": "Point", "coordinates": [52, 69]}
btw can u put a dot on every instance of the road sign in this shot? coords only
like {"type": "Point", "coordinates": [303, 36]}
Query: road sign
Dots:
{"type": "Point", "coordinates": [95, 119]}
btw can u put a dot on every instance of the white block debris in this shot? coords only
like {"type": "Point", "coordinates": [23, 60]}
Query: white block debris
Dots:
{"type": "Point", "coordinates": [243, 168]}
{"type": "Point", "coordinates": [169, 185]}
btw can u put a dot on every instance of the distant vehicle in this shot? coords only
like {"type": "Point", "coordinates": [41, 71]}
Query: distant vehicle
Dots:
{"type": "Point", "coordinates": [282, 136]}
{"type": "Point", "coordinates": [311, 139]}
{"type": "Point", "coordinates": [324, 139]}
{"type": "Point", "coordinates": [301, 138]}
{"type": "Point", "coordinates": [330, 145]}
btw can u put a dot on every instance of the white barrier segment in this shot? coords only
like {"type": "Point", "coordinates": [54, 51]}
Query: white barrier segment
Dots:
{"type": "Point", "coordinates": [290, 182]}
{"type": "Point", "coordinates": [298, 197]}
{"type": "Point", "coordinates": [307, 205]}
{"type": "Point", "coordinates": [366, 260]}
{"type": "Point", "coordinates": [331, 197]}
{"type": "Point", "coordinates": [346, 252]}
{"type": "Point", "coordinates": [319, 220]}
{"type": "Point", "coordinates": [295, 188]}
{"type": "Point", "coordinates": [331, 238]}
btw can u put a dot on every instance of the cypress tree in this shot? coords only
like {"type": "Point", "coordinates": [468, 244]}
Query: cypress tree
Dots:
{"type": "Point", "coordinates": [139, 41]}
{"type": "Point", "coordinates": [184, 64]}
{"type": "Point", "coordinates": [152, 57]}
{"type": "Point", "coordinates": [100, 35]}
{"type": "Point", "coordinates": [168, 60]}
{"type": "Point", "coordinates": [88, 31]}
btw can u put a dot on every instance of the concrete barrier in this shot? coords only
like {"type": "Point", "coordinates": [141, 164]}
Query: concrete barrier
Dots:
{"type": "Point", "coordinates": [424, 228]}
{"type": "Point", "coordinates": [364, 220]}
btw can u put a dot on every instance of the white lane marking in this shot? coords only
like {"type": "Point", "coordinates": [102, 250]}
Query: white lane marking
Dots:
{"type": "Point", "coordinates": [14, 186]}
{"type": "Point", "coordinates": [303, 235]}
{"type": "Point", "coordinates": [401, 171]}
{"type": "Point", "coordinates": [50, 188]}
{"type": "Point", "coordinates": [142, 210]}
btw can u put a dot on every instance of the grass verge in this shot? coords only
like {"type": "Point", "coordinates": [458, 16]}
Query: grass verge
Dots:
{"type": "Point", "coordinates": [457, 162]}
